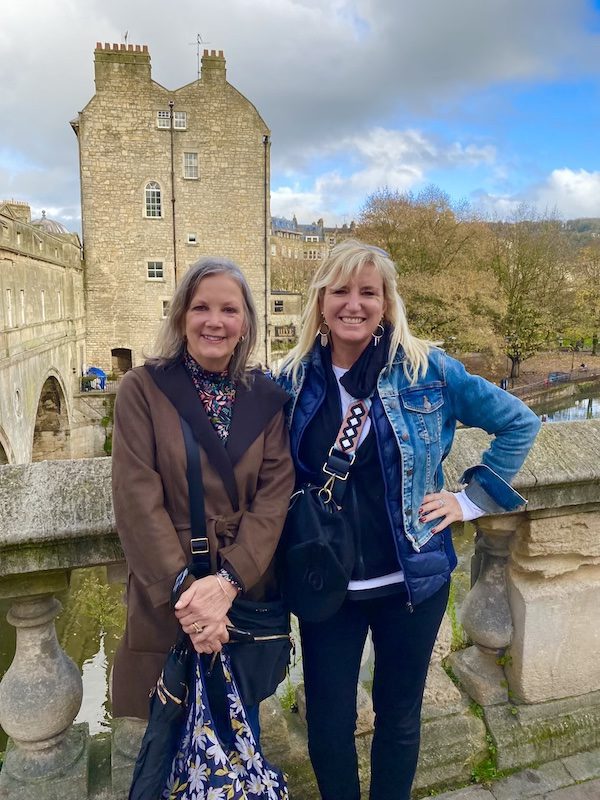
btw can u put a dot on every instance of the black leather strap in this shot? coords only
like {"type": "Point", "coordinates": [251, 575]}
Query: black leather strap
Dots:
{"type": "Point", "coordinates": [199, 545]}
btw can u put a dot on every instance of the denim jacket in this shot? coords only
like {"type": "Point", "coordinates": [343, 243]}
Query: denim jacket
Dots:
{"type": "Point", "coordinates": [414, 427]}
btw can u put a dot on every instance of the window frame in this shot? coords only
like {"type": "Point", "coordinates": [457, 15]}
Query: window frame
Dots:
{"type": "Point", "coordinates": [161, 114]}
{"type": "Point", "coordinates": [149, 202]}
{"type": "Point", "coordinates": [155, 267]}
{"type": "Point", "coordinates": [187, 165]}
{"type": "Point", "coordinates": [177, 117]}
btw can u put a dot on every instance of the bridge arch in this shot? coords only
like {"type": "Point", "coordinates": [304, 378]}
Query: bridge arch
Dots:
{"type": "Point", "coordinates": [6, 454]}
{"type": "Point", "coordinates": [52, 431]}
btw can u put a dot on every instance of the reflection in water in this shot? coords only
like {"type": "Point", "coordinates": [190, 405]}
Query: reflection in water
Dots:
{"type": "Point", "coordinates": [570, 409]}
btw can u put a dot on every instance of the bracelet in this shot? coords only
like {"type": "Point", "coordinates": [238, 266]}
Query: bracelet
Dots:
{"type": "Point", "coordinates": [226, 575]}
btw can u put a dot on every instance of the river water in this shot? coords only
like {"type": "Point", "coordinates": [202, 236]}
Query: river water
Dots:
{"type": "Point", "coordinates": [93, 616]}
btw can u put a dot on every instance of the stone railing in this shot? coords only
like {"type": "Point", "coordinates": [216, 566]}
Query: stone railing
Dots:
{"type": "Point", "coordinates": [532, 614]}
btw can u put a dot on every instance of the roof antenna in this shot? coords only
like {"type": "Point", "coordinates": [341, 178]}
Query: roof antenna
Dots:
{"type": "Point", "coordinates": [197, 43]}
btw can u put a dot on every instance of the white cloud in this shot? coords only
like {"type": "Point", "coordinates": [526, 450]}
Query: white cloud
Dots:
{"type": "Point", "coordinates": [381, 157]}
{"type": "Point", "coordinates": [574, 193]}
{"type": "Point", "coordinates": [319, 71]}
{"type": "Point", "coordinates": [568, 193]}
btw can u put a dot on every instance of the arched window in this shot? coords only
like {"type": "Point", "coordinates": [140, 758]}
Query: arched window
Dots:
{"type": "Point", "coordinates": [153, 199]}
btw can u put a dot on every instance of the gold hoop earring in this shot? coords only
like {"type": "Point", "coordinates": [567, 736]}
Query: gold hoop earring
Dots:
{"type": "Point", "coordinates": [378, 336]}
{"type": "Point", "coordinates": [323, 334]}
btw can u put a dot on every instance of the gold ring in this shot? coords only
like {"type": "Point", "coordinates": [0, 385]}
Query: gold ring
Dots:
{"type": "Point", "coordinates": [197, 628]}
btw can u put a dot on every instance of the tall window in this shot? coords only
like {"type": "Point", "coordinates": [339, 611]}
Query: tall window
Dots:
{"type": "Point", "coordinates": [22, 304]}
{"type": "Point", "coordinates": [155, 270]}
{"type": "Point", "coordinates": [163, 119]}
{"type": "Point", "coordinates": [190, 165]}
{"type": "Point", "coordinates": [43, 304]}
{"type": "Point", "coordinates": [153, 201]}
{"type": "Point", "coordinates": [180, 120]}
{"type": "Point", "coordinates": [59, 304]}
{"type": "Point", "coordinates": [165, 308]}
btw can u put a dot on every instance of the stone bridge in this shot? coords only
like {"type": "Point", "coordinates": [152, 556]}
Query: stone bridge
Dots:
{"type": "Point", "coordinates": [526, 690]}
{"type": "Point", "coordinates": [42, 342]}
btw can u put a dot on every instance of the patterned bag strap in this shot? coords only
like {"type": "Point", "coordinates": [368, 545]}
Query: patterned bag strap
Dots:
{"type": "Point", "coordinates": [342, 454]}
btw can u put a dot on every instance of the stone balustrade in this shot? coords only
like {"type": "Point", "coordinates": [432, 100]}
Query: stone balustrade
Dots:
{"type": "Point", "coordinates": [532, 616]}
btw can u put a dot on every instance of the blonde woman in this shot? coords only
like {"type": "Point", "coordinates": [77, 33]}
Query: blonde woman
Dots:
{"type": "Point", "coordinates": [355, 344]}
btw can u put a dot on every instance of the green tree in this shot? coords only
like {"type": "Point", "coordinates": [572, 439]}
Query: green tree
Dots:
{"type": "Point", "coordinates": [422, 232]}
{"type": "Point", "coordinates": [528, 260]}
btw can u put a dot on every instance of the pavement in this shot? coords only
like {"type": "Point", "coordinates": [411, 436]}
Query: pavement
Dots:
{"type": "Point", "coordinates": [572, 778]}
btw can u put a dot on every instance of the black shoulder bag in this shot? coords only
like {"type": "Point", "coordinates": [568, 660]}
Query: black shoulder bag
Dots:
{"type": "Point", "coordinates": [317, 543]}
{"type": "Point", "coordinates": [260, 641]}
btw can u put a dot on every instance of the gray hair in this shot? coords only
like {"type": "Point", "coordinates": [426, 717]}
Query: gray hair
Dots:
{"type": "Point", "coordinates": [170, 344]}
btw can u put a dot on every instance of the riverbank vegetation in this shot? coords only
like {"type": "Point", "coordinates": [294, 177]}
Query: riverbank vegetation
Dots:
{"type": "Point", "coordinates": [505, 289]}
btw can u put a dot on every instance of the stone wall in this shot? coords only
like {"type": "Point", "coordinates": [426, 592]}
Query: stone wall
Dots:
{"type": "Point", "coordinates": [222, 211]}
{"type": "Point", "coordinates": [532, 616]}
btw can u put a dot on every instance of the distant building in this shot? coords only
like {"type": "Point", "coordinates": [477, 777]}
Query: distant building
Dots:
{"type": "Point", "coordinates": [307, 242]}
{"type": "Point", "coordinates": [166, 177]}
{"type": "Point", "coordinates": [286, 313]}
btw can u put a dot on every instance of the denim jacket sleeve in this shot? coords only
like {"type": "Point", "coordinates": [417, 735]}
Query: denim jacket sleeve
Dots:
{"type": "Point", "coordinates": [478, 403]}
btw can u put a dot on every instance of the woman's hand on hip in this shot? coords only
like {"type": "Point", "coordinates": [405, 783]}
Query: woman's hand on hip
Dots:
{"type": "Point", "coordinates": [205, 603]}
{"type": "Point", "coordinates": [442, 506]}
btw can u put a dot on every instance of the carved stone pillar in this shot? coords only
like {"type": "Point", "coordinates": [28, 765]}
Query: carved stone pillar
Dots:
{"type": "Point", "coordinates": [40, 696]}
{"type": "Point", "coordinates": [486, 615]}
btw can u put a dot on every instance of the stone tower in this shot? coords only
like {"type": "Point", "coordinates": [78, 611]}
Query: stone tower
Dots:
{"type": "Point", "coordinates": [166, 178]}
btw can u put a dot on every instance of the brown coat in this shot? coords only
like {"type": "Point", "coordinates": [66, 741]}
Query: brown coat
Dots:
{"type": "Point", "coordinates": [151, 503]}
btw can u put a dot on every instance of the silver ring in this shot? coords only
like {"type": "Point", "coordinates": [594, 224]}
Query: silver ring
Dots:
{"type": "Point", "coordinates": [442, 503]}
{"type": "Point", "coordinates": [197, 628]}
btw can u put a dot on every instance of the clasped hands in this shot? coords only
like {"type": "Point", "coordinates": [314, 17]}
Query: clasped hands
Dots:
{"type": "Point", "coordinates": [202, 612]}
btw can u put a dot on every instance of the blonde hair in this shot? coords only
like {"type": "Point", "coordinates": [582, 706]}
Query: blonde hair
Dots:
{"type": "Point", "coordinates": [170, 344]}
{"type": "Point", "coordinates": [345, 260]}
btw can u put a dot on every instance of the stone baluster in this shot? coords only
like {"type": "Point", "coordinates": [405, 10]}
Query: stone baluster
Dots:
{"type": "Point", "coordinates": [40, 696]}
{"type": "Point", "coordinates": [486, 615]}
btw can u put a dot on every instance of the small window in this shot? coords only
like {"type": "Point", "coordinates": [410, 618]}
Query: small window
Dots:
{"type": "Point", "coordinates": [43, 304]}
{"type": "Point", "coordinates": [22, 304]}
{"type": "Point", "coordinates": [18, 238]}
{"type": "Point", "coordinates": [163, 119]}
{"type": "Point", "coordinates": [190, 165]}
{"type": "Point", "coordinates": [153, 203]}
{"type": "Point", "coordinates": [59, 304]}
{"type": "Point", "coordinates": [273, 249]}
{"type": "Point", "coordinates": [192, 238]}
{"type": "Point", "coordinates": [180, 120]}
{"type": "Point", "coordinates": [165, 308]}
{"type": "Point", "coordinates": [278, 306]}
{"type": "Point", "coordinates": [155, 271]}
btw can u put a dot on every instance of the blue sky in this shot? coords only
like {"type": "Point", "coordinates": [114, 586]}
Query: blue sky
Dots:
{"type": "Point", "coordinates": [495, 101]}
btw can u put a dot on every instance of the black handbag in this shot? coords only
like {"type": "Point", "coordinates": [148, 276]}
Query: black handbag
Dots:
{"type": "Point", "coordinates": [317, 544]}
{"type": "Point", "coordinates": [260, 640]}
{"type": "Point", "coordinates": [260, 664]}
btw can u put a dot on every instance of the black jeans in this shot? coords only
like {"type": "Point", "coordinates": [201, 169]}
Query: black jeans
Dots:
{"type": "Point", "coordinates": [331, 653]}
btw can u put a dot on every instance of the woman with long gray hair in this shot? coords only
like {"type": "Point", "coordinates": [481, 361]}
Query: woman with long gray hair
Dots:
{"type": "Point", "coordinates": [200, 375]}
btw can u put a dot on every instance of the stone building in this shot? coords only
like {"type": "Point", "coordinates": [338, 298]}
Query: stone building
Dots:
{"type": "Point", "coordinates": [42, 345]}
{"type": "Point", "coordinates": [306, 242]}
{"type": "Point", "coordinates": [286, 314]}
{"type": "Point", "coordinates": [167, 176]}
